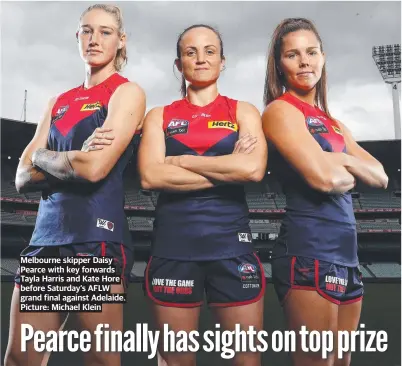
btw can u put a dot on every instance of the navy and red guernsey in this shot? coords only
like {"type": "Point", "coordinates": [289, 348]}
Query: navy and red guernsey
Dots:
{"type": "Point", "coordinates": [207, 224]}
{"type": "Point", "coordinates": [83, 212]}
{"type": "Point", "coordinates": [316, 224]}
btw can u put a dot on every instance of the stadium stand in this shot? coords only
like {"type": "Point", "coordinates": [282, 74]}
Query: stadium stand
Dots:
{"type": "Point", "coordinates": [377, 213]}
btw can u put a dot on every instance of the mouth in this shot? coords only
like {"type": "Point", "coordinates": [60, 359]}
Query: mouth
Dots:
{"type": "Point", "coordinates": [305, 73]}
{"type": "Point", "coordinates": [93, 51]}
{"type": "Point", "coordinates": [201, 69]}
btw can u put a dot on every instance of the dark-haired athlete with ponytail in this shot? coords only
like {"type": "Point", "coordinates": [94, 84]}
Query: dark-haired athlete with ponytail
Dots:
{"type": "Point", "coordinates": [199, 151]}
{"type": "Point", "coordinates": [77, 158]}
{"type": "Point", "coordinates": [315, 264]}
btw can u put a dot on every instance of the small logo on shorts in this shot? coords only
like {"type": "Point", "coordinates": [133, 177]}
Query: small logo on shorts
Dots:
{"type": "Point", "coordinates": [104, 224]}
{"type": "Point", "coordinates": [84, 255]}
{"type": "Point", "coordinates": [245, 237]}
{"type": "Point", "coordinates": [247, 268]}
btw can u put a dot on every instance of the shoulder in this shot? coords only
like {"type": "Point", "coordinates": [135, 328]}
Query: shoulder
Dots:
{"type": "Point", "coordinates": [130, 88]}
{"type": "Point", "coordinates": [246, 107]}
{"type": "Point", "coordinates": [155, 113]}
{"type": "Point", "coordinates": [280, 109]}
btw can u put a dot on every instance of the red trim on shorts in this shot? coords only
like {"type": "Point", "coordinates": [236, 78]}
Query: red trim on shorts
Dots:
{"type": "Point", "coordinates": [292, 279]}
{"type": "Point", "coordinates": [247, 302]}
{"type": "Point", "coordinates": [351, 301]}
{"type": "Point", "coordinates": [123, 255]}
{"type": "Point", "coordinates": [17, 285]}
{"type": "Point", "coordinates": [163, 303]}
{"type": "Point", "coordinates": [103, 249]}
{"type": "Point", "coordinates": [317, 284]}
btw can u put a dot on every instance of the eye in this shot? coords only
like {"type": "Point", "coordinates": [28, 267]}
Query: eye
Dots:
{"type": "Point", "coordinates": [85, 31]}
{"type": "Point", "coordinates": [210, 52]}
{"type": "Point", "coordinates": [312, 53]}
{"type": "Point", "coordinates": [107, 33]}
{"type": "Point", "coordinates": [190, 53]}
{"type": "Point", "coordinates": [291, 55]}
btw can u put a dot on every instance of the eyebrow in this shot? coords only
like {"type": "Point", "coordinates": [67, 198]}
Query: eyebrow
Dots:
{"type": "Point", "coordinates": [101, 26]}
{"type": "Point", "coordinates": [295, 50]}
{"type": "Point", "coordinates": [194, 48]}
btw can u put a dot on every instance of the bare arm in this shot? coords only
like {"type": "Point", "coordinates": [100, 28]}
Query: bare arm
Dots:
{"type": "Point", "coordinates": [28, 178]}
{"type": "Point", "coordinates": [125, 112]}
{"type": "Point", "coordinates": [284, 125]}
{"type": "Point", "coordinates": [241, 167]}
{"type": "Point", "coordinates": [155, 173]}
{"type": "Point", "coordinates": [362, 164]}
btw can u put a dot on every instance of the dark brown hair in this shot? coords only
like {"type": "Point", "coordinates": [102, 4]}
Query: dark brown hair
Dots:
{"type": "Point", "coordinates": [183, 81]}
{"type": "Point", "coordinates": [274, 80]}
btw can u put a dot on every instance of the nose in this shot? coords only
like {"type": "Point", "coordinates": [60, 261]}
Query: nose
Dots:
{"type": "Point", "coordinates": [304, 60]}
{"type": "Point", "coordinates": [94, 38]}
{"type": "Point", "coordinates": [200, 58]}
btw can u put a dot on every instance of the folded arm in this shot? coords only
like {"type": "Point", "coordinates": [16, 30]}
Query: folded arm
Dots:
{"type": "Point", "coordinates": [240, 167]}
{"type": "Point", "coordinates": [284, 125]}
{"type": "Point", "coordinates": [28, 178]}
{"type": "Point", "coordinates": [362, 164]}
{"type": "Point", "coordinates": [125, 112]}
{"type": "Point", "coordinates": [155, 173]}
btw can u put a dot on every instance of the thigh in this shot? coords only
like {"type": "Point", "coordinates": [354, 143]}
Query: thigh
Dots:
{"type": "Point", "coordinates": [235, 291]}
{"type": "Point", "coordinates": [169, 321]}
{"type": "Point", "coordinates": [111, 317]}
{"type": "Point", "coordinates": [309, 309]}
{"type": "Point", "coordinates": [350, 309]}
{"type": "Point", "coordinates": [39, 321]}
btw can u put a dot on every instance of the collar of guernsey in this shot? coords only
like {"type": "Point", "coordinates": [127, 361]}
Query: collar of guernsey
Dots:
{"type": "Point", "coordinates": [316, 224]}
{"type": "Point", "coordinates": [83, 212]}
{"type": "Point", "coordinates": [205, 224]}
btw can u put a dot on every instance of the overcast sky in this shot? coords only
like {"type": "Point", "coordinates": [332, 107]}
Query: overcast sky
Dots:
{"type": "Point", "coordinates": [39, 52]}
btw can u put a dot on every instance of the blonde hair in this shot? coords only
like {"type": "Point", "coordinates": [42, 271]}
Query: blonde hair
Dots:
{"type": "Point", "coordinates": [121, 55]}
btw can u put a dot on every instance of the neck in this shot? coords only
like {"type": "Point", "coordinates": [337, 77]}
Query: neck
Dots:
{"type": "Point", "coordinates": [306, 96]}
{"type": "Point", "coordinates": [202, 96]}
{"type": "Point", "coordinates": [97, 75]}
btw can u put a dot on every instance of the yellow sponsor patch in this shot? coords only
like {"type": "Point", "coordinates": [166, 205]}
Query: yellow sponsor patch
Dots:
{"type": "Point", "coordinates": [223, 124]}
{"type": "Point", "coordinates": [91, 106]}
{"type": "Point", "coordinates": [337, 130]}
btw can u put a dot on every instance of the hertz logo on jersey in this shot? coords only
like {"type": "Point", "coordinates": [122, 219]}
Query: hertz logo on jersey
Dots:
{"type": "Point", "coordinates": [223, 124]}
{"type": "Point", "coordinates": [337, 130]}
{"type": "Point", "coordinates": [91, 107]}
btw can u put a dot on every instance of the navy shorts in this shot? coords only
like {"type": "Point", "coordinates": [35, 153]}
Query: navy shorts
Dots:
{"type": "Point", "coordinates": [123, 256]}
{"type": "Point", "coordinates": [226, 282]}
{"type": "Point", "coordinates": [338, 284]}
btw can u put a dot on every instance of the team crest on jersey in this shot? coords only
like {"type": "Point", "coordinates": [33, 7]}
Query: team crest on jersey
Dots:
{"type": "Point", "coordinates": [223, 124]}
{"type": "Point", "coordinates": [177, 127]}
{"type": "Point", "coordinates": [315, 125]}
{"type": "Point", "coordinates": [337, 130]}
{"type": "Point", "coordinates": [104, 224]}
{"type": "Point", "coordinates": [245, 237]}
{"type": "Point", "coordinates": [61, 111]}
{"type": "Point", "coordinates": [91, 107]}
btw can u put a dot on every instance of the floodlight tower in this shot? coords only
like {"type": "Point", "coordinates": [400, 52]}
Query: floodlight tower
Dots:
{"type": "Point", "coordinates": [388, 61]}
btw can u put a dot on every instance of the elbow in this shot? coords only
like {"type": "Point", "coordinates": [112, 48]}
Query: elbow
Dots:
{"type": "Point", "coordinates": [148, 181]}
{"type": "Point", "coordinates": [20, 183]}
{"type": "Point", "coordinates": [324, 183]}
{"type": "Point", "coordinates": [256, 174]}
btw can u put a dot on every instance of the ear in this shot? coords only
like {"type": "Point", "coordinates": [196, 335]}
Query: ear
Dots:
{"type": "Point", "coordinates": [178, 64]}
{"type": "Point", "coordinates": [223, 63]}
{"type": "Point", "coordinates": [122, 41]}
{"type": "Point", "coordinates": [76, 36]}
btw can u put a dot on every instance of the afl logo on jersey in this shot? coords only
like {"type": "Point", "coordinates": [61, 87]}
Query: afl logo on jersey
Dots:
{"type": "Point", "coordinates": [223, 124]}
{"type": "Point", "coordinates": [61, 111]}
{"type": "Point", "coordinates": [177, 127]}
{"type": "Point", "coordinates": [247, 268]}
{"type": "Point", "coordinates": [315, 125]}
{"type": "Point", "coordinates": [91, 106]}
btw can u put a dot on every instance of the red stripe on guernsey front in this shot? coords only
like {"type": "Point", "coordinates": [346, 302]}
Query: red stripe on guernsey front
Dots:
{"type": "Point", "coordinates": [163, 303]}
{"type": "Point", "coordinates": [333, 136]}
{"type": "Point", "coordinates": [77, 104]}
{"type": "Point", "coordinates": [103, 249]}
{"type": "Point", "coordinates": [123, 255]}
{"type": "Point", "coordinates": [200, 128]}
